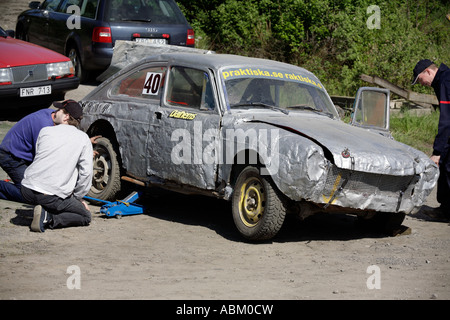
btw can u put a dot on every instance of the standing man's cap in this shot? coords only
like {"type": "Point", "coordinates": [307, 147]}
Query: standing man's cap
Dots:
{"type": "Point", "coordinates": [419, 68]}
{"type": "Point", "coordinates": [72, 107]}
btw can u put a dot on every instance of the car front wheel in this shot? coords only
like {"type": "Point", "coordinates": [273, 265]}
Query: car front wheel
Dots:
{"type": "Point", "coordinates": [106, 183]}
{"type": "Point", "coordinates": [258, 208]}
{"type": "Point", "coordinates": [386, 222]}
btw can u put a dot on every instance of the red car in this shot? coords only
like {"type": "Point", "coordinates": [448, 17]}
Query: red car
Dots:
{"type": "Point", "coordinates": [31, 75]}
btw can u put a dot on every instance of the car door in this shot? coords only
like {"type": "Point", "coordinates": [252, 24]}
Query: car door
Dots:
{"type": "Point", "coordinates": [371, 110]}
{"type": "Point", "coordinates": [133, 105]}
{"type": "Point", "coordinates": [61, 22]}
{"type": "Point", "coordinates": [39, 23]}
{"type": "Point", "coordinates": [183, 144]}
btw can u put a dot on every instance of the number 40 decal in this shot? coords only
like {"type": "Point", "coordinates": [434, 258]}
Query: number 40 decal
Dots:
{"type": "Point", "coordinates": [152, 83]}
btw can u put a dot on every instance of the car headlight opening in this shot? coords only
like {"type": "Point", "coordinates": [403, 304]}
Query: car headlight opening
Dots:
{"type": "Point", "coordinates": [60, 69]}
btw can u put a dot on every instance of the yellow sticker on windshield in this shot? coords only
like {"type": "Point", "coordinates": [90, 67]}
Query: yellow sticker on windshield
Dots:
{"type": "Point", "coordinates": [265, 73]}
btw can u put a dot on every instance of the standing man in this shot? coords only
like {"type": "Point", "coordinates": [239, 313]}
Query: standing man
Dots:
{"type": "Point", "coordinates": [61, 173]}
{"type": "Point", "coordinates": [428, 74]}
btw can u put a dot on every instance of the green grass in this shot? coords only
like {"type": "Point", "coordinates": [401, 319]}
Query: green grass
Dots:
{"type": "Point", "coordinates": [415, 131]}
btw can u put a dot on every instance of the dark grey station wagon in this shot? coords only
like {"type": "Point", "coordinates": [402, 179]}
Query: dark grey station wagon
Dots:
{"type": "Point", "coordinates": [86, 30]}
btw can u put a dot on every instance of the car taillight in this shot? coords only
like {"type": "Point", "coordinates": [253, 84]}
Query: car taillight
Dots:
{"type": "Point", "coordinates": [190, 37]}
{"type": "Point", "coordinates": [102, 34]}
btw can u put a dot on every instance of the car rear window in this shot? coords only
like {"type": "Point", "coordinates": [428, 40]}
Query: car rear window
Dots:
{"type": "Point", "coordinates": [145, 83]}
{"type": "Point", "coordinates": [152, 11]}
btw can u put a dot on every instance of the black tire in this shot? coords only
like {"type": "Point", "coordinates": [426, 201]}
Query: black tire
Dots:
{"type": "Point", "coordinates": [389, 222]}
{"type": "Point", "coordinates": [80, 72]}
{"type": "Point", "coordinates": [20, 33]}
{"type": "Point", "coordinates": [106, 183]}
{"type": "Point", "coordinates": [385, 222]}
{"type": "Point", "coordinates": [258, 208]}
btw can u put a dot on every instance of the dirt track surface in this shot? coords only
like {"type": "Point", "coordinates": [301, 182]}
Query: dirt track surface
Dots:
{"type": "Point", "coordinates": [188, 248]}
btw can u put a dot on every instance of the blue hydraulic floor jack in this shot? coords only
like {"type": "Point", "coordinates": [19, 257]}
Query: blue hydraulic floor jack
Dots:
{"type": "Point", "coordinates": [121, 208]}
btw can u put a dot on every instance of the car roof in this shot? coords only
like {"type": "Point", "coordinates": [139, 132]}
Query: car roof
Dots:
{"type": "Point", "coordinates": [218, 61]}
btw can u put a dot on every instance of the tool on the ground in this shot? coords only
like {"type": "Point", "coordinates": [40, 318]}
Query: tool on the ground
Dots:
{"type": "Point", "coordinates": [121, 208]}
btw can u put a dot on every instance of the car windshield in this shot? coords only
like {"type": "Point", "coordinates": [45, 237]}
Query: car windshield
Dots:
{"type": "Point", "coordinates": [154, 11]}
{"type": "Point", "coordinates": [275, 90]}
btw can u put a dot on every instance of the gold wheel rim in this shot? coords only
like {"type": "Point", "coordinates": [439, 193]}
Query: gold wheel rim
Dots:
{"type": "Point", "coordinates": [252, 202]}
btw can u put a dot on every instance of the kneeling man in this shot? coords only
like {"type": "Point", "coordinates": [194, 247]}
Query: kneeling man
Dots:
{"type": "Point", "coordinates": [61, 173]}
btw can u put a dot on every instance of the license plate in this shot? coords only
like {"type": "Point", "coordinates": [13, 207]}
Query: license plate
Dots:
{"type": "Point", "coordinates": [150, 40]}
{"type": "Point", "coordinates": [35, 91]}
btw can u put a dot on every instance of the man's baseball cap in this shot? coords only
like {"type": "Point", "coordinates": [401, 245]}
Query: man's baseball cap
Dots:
{"type": "Point", "coordinates": [419, 68]}
{"type": "Point", "coordinates": [72, 107]}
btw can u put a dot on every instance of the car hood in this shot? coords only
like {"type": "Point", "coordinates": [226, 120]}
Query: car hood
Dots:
{"type": "Point", "coordinates": [352, 147]}
{"type": "Point", "coordinates": [15, 53]}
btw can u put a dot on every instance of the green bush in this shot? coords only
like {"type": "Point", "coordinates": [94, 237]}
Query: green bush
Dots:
{"type": "Point", "coordinates": [329, 37]}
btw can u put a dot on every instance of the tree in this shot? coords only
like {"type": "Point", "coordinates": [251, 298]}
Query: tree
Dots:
{"type": "Point", "coordinates": [332, 38]}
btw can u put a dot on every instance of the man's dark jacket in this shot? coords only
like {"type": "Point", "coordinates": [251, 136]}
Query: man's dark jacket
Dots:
{"type": "Point", "coordinates": [441, 86]}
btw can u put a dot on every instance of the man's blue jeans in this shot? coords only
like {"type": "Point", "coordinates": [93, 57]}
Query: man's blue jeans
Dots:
{"type": "Point", "coordinates": [15, 169]}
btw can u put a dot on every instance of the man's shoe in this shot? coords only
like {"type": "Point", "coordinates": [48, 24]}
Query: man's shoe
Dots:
{"type": "Point", "coordinates": [41, 218]}
{"type": "Point", "coordinates": [438, 214]}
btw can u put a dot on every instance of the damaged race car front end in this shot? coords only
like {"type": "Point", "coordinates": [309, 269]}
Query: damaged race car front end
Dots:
{"type": "Point", "coordinates": [355, 169]}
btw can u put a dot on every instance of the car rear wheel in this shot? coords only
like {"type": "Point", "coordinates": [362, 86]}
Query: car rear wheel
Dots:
{"type": "Point", "coordinates": [106, 183]}
{"type": "Point", "coordinates": [258, 208]}
{"type": "Point", "coordinates": [21, 33]}
{"type": "Point", "coordinates": [80, 72]}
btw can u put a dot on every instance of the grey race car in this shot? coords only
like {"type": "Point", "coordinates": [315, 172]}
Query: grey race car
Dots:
{"type": "Point", "coordinates": [263, 134]}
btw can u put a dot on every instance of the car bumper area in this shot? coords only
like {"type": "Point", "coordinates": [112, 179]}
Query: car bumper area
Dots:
{"type": "Point", "coordinates": [347, 191]}
{"type": "Point", "coordinates": [373, 192]}
{"type": "Point", "coordinates": [32, 93]}
{"type": "Point", "coordinates": [99, 58]}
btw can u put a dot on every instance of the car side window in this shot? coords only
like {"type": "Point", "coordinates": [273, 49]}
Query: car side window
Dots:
{"type": "Point", "coordinates": [67, 3]}
{"type": "Point", "coordinates": [89, 8]}
{"type": "Point", "coordinates": [145, 83]}
{"type": "Point", "coordinates": [50, 5]}
{"type": "Point", "coordinates": [189, 87]}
